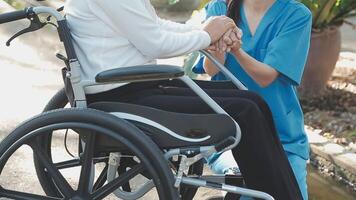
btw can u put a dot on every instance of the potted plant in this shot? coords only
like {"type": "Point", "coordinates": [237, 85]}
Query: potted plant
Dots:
{"type": "Point", "coordinates": [328, 16]}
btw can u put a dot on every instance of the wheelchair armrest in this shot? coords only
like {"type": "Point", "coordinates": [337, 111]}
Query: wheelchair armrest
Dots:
{"type": "Point", "coordinates": [139, 73]}
{"type": "Point", "coordinates": [224, 70]}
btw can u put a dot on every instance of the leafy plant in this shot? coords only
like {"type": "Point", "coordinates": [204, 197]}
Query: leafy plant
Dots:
{"type": "Point", "coordinates": [326, 12]}
{"type": "Point", "coordinates": [171, 2]}
{"type": "Point", "coordinates": [16, 4]}
{"type": "Point", "coordinates": [330, 12]}
{"type": "Point", "coordinates": [203, 3]}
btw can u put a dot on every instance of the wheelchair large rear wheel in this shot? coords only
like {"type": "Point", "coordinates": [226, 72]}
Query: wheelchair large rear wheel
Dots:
{"type": "Point", "coordinates": [89, 124]}
{"type": "Point", "coordinates": [60, 100]}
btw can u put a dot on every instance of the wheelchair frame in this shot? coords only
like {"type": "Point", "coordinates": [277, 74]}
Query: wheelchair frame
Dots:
{"type": "Point", "coordinates": [189, 156]}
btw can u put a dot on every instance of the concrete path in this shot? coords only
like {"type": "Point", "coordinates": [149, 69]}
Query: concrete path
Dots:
{"type": "Point", "coordinates": [31, 75]}
{"type": "Point", "coordinates": [333, 159]}
{"type": "Point", "coordinates": [349, 36]}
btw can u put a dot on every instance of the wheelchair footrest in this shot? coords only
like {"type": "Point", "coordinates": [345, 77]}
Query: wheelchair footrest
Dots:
{"type": "Point", "coordinates": [236, 180]}
{"type": "Point", "coordinates": [204, 181]}
{"type": "Point", "coordinates": [225, 144]}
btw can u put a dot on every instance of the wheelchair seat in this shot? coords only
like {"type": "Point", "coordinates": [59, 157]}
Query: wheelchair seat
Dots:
{"type": "Point", "coordinates": [171, 130]}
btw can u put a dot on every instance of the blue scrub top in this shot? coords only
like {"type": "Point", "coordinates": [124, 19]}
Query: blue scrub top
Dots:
{"type": "Point", "coordinates": [282, 41]}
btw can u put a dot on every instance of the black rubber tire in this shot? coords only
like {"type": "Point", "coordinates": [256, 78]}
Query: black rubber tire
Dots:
{"type": "Point", "coordinates": [58, 101]}
{"type": "Point", "coordinates": [150, 155]}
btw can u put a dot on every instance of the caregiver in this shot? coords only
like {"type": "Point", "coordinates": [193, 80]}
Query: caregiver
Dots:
{"type": "Point", "coordinates": [270, 62]}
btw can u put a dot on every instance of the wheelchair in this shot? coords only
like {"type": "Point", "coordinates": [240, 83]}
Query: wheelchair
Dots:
{"type": "Point", "coordinates": [125, 141]}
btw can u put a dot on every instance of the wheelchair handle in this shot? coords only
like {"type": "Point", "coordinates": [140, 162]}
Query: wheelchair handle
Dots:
{"type": "Point", "coordinates": [15, 15]}
{"type": "Point", "coordinates": [28, 12]}
{"type": "Point", "coordinates": [223, 69]}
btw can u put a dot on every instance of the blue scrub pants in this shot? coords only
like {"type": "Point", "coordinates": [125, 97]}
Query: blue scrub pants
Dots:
{"type": "Point", "coordinates": [221, 163]}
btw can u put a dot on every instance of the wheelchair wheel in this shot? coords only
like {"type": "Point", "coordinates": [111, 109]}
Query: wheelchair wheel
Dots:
{"type": "Point", "coordinates": [90, 124]}
{"type": "Point", "coordinates": [60, 100]}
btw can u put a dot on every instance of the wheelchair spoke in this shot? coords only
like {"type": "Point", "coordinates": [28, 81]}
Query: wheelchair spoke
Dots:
{"type": "Point", "coordinates": [23, 196]}
{"type": "Point", "coordinates": [68, 164]}
{"type": "Point", "coordinates": [57, 177]}
{"type": "Point", "coordinates": [118, 182]}
{"type": "Point", "coordinates": [121, 170]}
{"type": "Point", "coordinates": [101, 179]}
{"type": "Point", "coordinates": [85, 180]}
{"type": "Point", "coordinates": [130, 162]}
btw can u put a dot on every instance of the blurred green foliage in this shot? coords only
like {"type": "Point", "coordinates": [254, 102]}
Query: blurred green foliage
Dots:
{"type": "Point", "coordinates": [330, 12]}
{"type": "Point", "coordinates": [189, 62]}
{"type": "Point", "coordinates": [203, 3]}
{"type": "Point", "coordinates": [16, 4]}
{"type": "Point", "coordinates": [173, 1]}
{"type": "Point", "coordinates": [325, 12]}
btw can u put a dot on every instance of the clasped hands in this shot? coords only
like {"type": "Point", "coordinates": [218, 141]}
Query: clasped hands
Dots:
{"type": "Point", "coordinates": [225, 35]}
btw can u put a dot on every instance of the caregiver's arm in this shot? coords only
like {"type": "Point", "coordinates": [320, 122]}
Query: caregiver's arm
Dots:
{"type": "Point", "coordinates": [210, 67]}
{"type": "Point", "coordinates": [262, 73]}
{"type": "Point", "coordinates": [139, 24]}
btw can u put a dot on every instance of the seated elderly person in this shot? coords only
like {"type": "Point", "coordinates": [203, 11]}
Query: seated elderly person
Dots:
{"type": "Point", "coordinates": [122, 33]}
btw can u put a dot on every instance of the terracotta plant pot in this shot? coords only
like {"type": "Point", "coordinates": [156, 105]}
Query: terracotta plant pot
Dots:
{"type": "Point", "coordinates": [323, 55]}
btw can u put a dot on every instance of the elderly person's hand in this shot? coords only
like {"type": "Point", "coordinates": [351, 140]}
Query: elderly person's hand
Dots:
{"type": "Point", "coordinates": [216, 27]}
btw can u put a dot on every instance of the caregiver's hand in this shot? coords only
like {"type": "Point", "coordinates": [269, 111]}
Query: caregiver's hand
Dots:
{"type": "Point", "coordinates": [237, 35]}
{"type": "Point", "coordinates": [216, 27]}
{"type": "Point", "coordinates": [231, 40]}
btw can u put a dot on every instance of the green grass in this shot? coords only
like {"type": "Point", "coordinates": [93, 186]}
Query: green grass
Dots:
{"type": "Point", "coordinates": [352, 134]}
{"type": "Point", "coordinates": [16, 4]}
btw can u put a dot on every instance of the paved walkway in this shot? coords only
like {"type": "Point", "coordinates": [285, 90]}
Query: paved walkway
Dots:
{"type": "Point", "coordinates": [31, 75]}
{"type": "Point", "coordinates": [349, 36]}
{"type": "Point", "coordinates": [333, 159]}
{"type": "Point", "coordinates": [31, 72]}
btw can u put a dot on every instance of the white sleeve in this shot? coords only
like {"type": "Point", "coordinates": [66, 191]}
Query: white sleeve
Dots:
{"type": "Point", "coordinates": [134, 20]}
{"type": "Point", "coordinates": [176, 27]}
